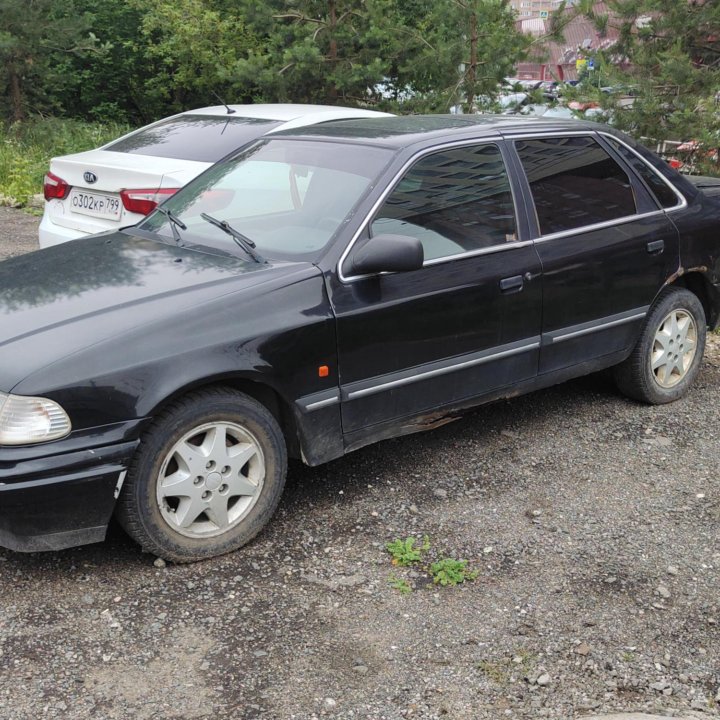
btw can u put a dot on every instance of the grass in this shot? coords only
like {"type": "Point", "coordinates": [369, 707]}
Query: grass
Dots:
{"type": "Point", "coordinates": [26, 149]}
{"type": "Point", "coordinates": [501, 671]}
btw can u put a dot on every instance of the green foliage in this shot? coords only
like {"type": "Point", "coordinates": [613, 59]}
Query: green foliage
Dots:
{"type": "Point", "coordinates": [193, 48]}
{"type": "Point", "coordinates": [405, 553]}
{"type": "Point", "coordinates": [129, 60]}
{"type": "Point", "coordinates": [671, 68]}
{"type": "Point", "coordinates": [109, 84]}
{"type": "Point", "coordinates": [34, 34]}
{"type": "Point", "coordinates": [26, 149]}
{"type": "Point", "coordinates": [448, 571]}
{"type": "Point", "coordinates": [399, 584]}
{"type": "Point", "coordinates": [445, 572]}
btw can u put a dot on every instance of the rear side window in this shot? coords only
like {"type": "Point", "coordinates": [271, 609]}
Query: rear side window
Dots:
{"type": "Point", "coordinates": [664, 195]}
{"type": "Point", "coordinates": [574, 183]}
{"type": "Point", "coordinates": [195, 137]}
{"type": "Point", "coordinates": [454, 202]}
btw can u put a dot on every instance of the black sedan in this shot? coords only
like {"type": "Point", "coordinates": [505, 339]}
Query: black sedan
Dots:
{"type": "Point", "coordinates": [325, 289]}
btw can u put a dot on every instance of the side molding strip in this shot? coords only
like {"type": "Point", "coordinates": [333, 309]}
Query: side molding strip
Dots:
{"type": "Point", "coordinates": [575, 331]}
{"type": "Point", "coordinates": [318, 400]}
{"type": "Point", "coordinates": [442, 367]}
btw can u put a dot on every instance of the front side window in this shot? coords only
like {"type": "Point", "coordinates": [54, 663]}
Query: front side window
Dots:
{"type": "Point", "coordinates": [456, 201]}
{"type": "Point", "coordinates": [574, 183]}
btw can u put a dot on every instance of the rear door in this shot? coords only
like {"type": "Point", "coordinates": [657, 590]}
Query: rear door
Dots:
{"type": "Point", "coordinates": [606, 248]}
{"type": "Point", "coordinates": [466, 323]}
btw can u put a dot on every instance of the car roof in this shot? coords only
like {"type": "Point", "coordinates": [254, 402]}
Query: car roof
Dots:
{"type": "Point", "coordinates": [403, 131]}
{"type": "Point", "coordinates": [286, 111]}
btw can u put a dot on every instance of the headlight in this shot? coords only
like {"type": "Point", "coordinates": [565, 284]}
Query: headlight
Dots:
{"type": "Point", "coordinates": [25, 420]}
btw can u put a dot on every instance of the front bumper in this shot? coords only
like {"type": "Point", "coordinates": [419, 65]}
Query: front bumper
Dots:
{"type": "Point", "coordinates": [62, 494]}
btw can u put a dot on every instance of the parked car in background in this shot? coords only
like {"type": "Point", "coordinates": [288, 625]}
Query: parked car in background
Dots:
{"type": "Point", "coordinates": [327, 288]}
{"type": "Point", "coordinates": [548, 111]}
{"type": "Point", "coordinates": [119, 183]}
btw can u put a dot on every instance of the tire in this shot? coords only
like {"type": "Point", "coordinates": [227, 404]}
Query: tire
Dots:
{"type": "Point", "coordinates": [653, 374]}
{"type": "Point", "coordinates": [207, 476]}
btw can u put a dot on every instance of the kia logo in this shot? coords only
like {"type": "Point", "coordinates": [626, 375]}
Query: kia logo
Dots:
{"type": "Point", "coordinates": [90, 177]}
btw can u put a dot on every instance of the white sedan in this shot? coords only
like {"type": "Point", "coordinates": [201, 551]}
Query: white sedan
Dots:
{"type": "Point", "coordinates": [119, 183]}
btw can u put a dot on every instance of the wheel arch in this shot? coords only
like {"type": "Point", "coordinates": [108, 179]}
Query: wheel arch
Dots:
{"type": "Point", "coordinates": [267, 395]}
{"type": "Point", "coordinates": [697, 283]}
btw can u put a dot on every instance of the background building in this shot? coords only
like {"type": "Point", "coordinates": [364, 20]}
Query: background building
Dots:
{"type": "Point", "coordinates": [534, 8]}
{"type": "Point", "coordinates": [552, 60]}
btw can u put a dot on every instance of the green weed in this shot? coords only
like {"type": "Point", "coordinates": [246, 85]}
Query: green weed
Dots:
{"type": "Point", "coordinates": [402, 586]}
{"type": "Point", "coordinates": [448, 571]}
{"type": "Point", "coordinates": [405, 553]}
{"type": "Point", "coordinates": [498, 672]}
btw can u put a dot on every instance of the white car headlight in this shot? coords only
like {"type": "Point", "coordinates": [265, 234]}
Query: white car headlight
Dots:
{"type": "Point", "coordinates": [25, 420]}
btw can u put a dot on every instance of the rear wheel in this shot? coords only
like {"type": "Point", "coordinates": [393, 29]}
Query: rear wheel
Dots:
{"type": "Point", "coordinates": [667, 357]}
{"type": "Point", "coordinates": [207, 477]}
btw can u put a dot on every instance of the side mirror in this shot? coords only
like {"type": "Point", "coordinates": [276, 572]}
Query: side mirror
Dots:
{"type": "Point", "coordinates": [388, 253]}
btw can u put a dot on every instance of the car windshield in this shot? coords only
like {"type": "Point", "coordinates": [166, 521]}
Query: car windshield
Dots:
{"type": "Point", "coordinates": [288, 197]}
{"type": "Point", "coordinates": [205, 138]}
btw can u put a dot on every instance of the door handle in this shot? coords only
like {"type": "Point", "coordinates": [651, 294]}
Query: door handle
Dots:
{"type": "Point", "coordinates": [511, 284]}
{"type": "Point", "coordinates": [656, 246]}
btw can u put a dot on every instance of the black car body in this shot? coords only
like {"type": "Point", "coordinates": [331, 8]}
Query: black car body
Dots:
{"type": "Point", "coordinates": [546, 248]}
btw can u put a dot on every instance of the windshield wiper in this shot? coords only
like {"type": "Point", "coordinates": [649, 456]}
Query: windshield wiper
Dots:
{"type": "Point", "coordinates": [175, 223]}
{"type": "Point", "coordinates": [242, 240]}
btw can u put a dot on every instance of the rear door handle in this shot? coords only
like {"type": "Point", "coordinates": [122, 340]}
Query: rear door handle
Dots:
{"type": "Point", "coordinates": [656, 246]}
{"type": "Point", "coordinates": [512, 284]}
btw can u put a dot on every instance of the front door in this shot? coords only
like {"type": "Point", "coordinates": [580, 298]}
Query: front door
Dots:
{"type": "Point", "coordinates": [466, 323]}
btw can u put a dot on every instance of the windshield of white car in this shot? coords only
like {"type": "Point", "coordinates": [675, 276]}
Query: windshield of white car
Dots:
{"type": "Point", "coordinates": [205, 138]}
{"type": "Point", "coordinates": [289, 196]}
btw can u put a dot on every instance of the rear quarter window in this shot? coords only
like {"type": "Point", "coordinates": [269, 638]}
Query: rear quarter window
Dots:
{"type": "Point", "coordinates": [201, 138]}
{"type": "Point", "coordinates": [662, 192]}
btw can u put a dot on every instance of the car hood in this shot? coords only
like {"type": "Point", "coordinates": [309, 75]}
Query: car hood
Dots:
{"type": "Point", "coordinates": [57, 301]}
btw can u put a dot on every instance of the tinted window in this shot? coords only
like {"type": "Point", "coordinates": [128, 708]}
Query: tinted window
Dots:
{"type": "Point", "coordinates": [195, 137]}
{"type": "Point", "coordinates": [663, 194]}
{"type": "Point", "coordinates": [454, 202]}
{"type": "Point", "coordinates": [574, 183]}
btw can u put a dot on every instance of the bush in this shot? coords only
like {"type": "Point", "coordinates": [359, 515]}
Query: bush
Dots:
{"type": "Point", "coordinates": [26, 149]}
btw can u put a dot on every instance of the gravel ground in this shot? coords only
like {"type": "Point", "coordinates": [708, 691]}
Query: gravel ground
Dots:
{"type": "Point", "coordinates": [18, 233]}
{"type": "Point", "coordinates": [592, 523]}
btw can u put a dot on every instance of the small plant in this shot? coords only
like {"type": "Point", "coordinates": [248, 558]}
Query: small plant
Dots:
{"type": "Point", "coordinates": [504, 670]}
{"type": "Point", "coordinates": [498, 672]}
{"type": "Point", "coordinates": [448, 571]}
{"type": "Point", "coordinates": [402, 586]}
{"type": "Point", "coordinates": [404, 553]}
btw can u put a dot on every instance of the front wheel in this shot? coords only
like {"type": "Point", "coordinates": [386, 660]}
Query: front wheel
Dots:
{"type": "Point", "coordinates": [667, 357]}
{"type": "Point", "coordinates": [206, 478]}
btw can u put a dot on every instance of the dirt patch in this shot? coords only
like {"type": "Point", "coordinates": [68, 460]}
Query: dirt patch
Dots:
{"type": "Point", "coordinates": [18, 232]}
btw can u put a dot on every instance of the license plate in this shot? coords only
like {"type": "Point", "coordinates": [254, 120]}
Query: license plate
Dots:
{"type": "Point", "coordinates": [95, 205]}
